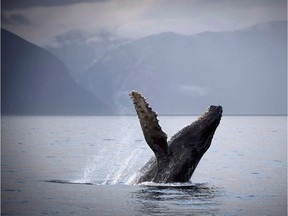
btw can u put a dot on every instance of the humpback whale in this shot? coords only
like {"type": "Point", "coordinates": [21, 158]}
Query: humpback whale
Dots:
{"type": "Point", "coordinates": [175, 160]}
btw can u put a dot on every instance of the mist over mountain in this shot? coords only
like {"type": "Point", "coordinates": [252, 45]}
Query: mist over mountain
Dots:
{"type": "Point", "coordinates": [244, 71]}
{"type": "Point", "coordinates": [80, 50]}
{"type": "Point", "coordinates": [34, 82]}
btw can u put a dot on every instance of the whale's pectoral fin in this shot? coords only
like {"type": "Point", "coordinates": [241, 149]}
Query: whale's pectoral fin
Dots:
{"type": "Point", "coordinates": [154, 136]}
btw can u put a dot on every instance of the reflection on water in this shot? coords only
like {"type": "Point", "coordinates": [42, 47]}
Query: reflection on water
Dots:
{"type": "Point", "coordinates": [159, 199]}
{"type": "Point", "coordinates": [67, 182]}
{"type": "Point", "coordinates": [176, 200]}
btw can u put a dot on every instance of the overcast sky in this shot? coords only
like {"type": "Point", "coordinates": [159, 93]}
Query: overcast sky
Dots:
{"type": "Point", "coordinates": [39, 21]}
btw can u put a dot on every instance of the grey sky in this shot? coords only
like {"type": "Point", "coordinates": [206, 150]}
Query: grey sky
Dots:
{"type": "Point", "coordinates": [40, 21]}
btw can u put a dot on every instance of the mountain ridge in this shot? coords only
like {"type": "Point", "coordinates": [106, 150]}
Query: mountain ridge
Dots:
{"type": "Point", "coordinates": [244, 70]}
{"type": "Point", "coordinates": [34, 82]}
{"type": "Point", "coordinates": [209, 67]}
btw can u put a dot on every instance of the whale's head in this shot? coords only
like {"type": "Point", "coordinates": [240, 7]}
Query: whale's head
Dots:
{"type": "Point", "coordinates": [203, 129]}
{"type": "Point", "coordinates": [198, 135]}
{"type": "Point", "coordinates": [189, 145]}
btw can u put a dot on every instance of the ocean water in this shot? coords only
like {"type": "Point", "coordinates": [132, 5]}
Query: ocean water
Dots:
{"type": "Point", "coordinates": [85, 166]}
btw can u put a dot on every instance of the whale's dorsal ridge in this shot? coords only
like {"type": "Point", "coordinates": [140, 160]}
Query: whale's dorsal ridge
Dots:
{"type": "Point", "coordinates": [154, 136]}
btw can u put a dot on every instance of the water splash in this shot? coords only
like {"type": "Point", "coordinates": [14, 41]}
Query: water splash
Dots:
{"type": "Point", "coordinates": [125, 170]}
{"type": "Point", "coordinates": [122, 172]}
{"type": "Point", "coordinates": [115, 163]}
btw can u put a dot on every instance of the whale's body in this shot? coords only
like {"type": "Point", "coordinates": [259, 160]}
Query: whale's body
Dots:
{"type": "Point", "coordinates": [176, 160]}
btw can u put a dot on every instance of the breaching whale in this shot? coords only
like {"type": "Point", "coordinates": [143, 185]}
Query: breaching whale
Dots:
{"type": "Point", "coordinates": [176, 160]}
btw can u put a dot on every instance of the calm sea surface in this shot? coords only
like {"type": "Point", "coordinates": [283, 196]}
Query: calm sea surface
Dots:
{"type": "Point", "coordinates": [85, 166]}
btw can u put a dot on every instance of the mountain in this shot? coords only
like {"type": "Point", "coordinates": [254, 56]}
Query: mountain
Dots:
{"type": "Point", "coordinates": [243, 70]}
{"type": "Point", "coordinates": [34, 82]}
{"type": "Point", "coordinates": [79, 50]}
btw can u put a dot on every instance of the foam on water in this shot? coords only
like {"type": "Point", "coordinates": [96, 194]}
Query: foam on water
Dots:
{"type": "Point", "coordinates": [174, 184]}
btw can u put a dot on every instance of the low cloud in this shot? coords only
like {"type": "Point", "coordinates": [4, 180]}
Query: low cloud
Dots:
{"type": "Point", "coordinates": [73, 36]}
{"type": "Point", "coordinates": [82, 37]}
{"type": "Point", "coordinates": [133, 19]}
{"type": "Point", "coordinates": [15, 19]}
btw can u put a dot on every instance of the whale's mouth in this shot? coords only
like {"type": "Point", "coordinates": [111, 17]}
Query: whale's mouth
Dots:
{"type": "Point", "coordinates": [212, 113]}
{"type": "Point", "coordinates": [215, 109]}
{"type": "Point", "coordinates": [209, 120]}
{"type": "Point", "coordinates": [207, 125]}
